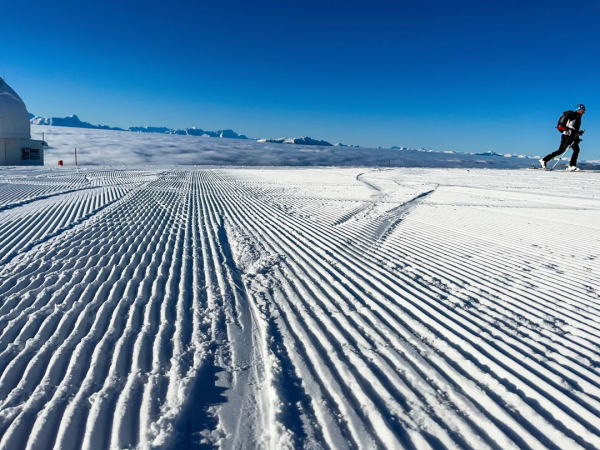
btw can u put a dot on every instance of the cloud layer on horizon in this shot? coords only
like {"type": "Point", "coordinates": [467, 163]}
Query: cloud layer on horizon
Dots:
{"type": "Point", "coordinates": [104, 147]}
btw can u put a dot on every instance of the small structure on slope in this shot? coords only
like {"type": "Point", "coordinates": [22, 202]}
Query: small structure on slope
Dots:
{"type": "Point", "coordinates": [16, 146]}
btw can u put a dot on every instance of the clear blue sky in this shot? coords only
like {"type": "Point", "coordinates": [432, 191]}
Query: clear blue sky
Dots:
{"type": "Point", "coordinates": [462, 75]}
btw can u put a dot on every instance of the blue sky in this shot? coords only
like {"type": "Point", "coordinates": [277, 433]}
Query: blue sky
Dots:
{"type": "Point", "coordinates": [463, 76]}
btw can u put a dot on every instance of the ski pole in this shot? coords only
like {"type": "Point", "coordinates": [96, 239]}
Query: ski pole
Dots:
{"type": "Point", "coordinates": [561, 157]}
{"type": "Point", "coordinates": [576, 141]}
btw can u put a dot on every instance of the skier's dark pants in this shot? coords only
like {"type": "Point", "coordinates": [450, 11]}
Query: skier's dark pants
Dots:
{"type": "Point", "coordinates": [565, 141]}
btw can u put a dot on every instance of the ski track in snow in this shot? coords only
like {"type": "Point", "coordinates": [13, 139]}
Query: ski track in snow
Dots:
{"type": "Point", "coordinates": [186, 307]}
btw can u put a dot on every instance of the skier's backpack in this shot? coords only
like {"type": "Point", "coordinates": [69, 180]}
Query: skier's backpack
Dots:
{"type": "Point", "coordinates": [562, 122]}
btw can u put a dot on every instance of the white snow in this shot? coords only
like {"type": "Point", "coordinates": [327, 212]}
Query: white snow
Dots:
{"type": "Point", "coordinates": [189, 307]}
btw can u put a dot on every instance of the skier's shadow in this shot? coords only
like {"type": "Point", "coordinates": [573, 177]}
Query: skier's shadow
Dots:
{"type": "Point", "coordinates": [205, 394]}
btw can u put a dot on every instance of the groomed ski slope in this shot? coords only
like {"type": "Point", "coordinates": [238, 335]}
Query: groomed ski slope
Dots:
{"type": "Point", "coordinates": [173, 307]}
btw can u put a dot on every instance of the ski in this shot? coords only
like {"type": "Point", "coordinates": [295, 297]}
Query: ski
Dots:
{"type": "Point", "coordinates": [561, 170]}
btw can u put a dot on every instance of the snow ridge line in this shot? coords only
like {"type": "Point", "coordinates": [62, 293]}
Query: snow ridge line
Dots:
{"type": "Point", "coordinates": [439, 337]}
{"type": "Point", "coordinates": [553, 298]}
{"type": "Point", "coordinates": [133, 261]}
{"type": "Point", "coordinates": [61, 223]}
{"type": "Point", "coordinates": [26, 189]}
{"type": "Point", "coordinates": [312, 224]}
{"type": "Point", "coordinates": [238, 346]}
{"type": "Point", "coordinates": [122, 420]}
{"type": "Point", "coordinates": [43, 197]}
{"type": "Point", "coordinates": [346, 217]}
{"type": "Point", "coordinates": [482, 233]}
{"type": "Point", "coordinates": [303, 340]}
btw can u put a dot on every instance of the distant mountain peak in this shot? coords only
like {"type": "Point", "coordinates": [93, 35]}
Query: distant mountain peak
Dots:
{"type": "Point", "coordinates": [302, 140]}
{"type": "Point", "coordinates": [75, 122]}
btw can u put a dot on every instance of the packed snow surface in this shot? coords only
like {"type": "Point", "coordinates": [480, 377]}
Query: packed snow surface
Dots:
{"type": "Point", "coordinates": [172, 307]}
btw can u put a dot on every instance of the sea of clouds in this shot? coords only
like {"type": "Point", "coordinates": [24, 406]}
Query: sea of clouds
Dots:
{"type": "Point", "coordinates": [107, 147]}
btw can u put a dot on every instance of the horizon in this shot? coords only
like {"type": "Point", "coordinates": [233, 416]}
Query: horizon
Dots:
{"type": "Point", "coordinates": [251, 138]}
{"type": "Point", "coordinates": [465, 77]}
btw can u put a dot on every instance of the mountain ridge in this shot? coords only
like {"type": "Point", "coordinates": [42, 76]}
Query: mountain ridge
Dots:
{"type": "Point", "coordinates": [75, 122]}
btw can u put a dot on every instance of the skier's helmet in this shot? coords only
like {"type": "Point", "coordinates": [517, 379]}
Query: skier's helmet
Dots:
{"type": "Point", "coordinates": [580, 107]}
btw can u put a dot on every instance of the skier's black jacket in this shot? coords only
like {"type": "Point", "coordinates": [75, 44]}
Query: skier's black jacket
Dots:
{"type": "Point", "coordinates": [574, 121]}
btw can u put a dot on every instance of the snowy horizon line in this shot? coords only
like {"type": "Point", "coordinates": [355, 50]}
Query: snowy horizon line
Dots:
{"type": "Point", "coordinates": [73, 121]}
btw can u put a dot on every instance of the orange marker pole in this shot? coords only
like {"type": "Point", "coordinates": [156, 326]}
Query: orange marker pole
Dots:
{"type": "Point", "coordinates": [75, 155]}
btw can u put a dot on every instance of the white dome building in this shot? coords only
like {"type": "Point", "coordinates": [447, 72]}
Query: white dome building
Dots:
{"type": "Point", "coordinates": [16, 146]}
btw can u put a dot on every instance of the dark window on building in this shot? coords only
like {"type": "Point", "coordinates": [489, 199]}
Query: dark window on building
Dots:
{"type": "Point", "coordinates": [34, 153]}
{"type": "Point", "coordinates": [25, 153]}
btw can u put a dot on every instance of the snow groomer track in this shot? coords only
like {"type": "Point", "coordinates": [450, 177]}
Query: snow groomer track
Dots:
{"type": "Point", "coordinates": [299, 308]}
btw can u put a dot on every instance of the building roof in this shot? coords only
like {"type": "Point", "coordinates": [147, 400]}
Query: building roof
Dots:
{"type": "Point", "coordinates": [14, 118]}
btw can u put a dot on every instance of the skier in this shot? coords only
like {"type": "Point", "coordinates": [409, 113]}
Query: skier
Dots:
{"type": "Point", "coordinates": [570, 136]}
